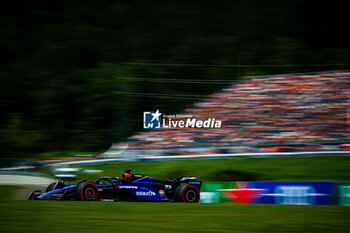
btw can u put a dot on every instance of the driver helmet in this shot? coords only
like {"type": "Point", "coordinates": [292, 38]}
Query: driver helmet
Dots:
{"type": "Point", "coordinates": [127, 175]}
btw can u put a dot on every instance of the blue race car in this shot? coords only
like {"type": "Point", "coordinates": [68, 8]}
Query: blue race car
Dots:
{"type": "Point", "coordinates": [131, 187]}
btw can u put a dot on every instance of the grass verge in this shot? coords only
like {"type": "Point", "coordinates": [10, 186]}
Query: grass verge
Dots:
{"type": "Point", "coordinates": [54, 216]}
{"type": "Point", "coordinates": [7, 191]}
{"type": "Point", "coordinates": [238, 169]}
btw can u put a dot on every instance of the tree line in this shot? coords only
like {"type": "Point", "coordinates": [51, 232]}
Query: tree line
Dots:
{"type": "Point", "coordinates": [77, 75]}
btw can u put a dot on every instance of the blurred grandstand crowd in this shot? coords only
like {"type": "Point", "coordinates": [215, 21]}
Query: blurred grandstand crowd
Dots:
{"type": "Point", "coordinates": [297, 112]}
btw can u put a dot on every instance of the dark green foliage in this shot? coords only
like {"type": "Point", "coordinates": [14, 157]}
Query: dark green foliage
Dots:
{"type": "Point", "coordinates": [68, 76]}
{"type": "Point", "coordinates": [234, 175]}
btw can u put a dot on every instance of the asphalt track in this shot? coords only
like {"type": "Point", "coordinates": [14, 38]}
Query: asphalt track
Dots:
{"type": "Point", "coordinates": [22, 179]}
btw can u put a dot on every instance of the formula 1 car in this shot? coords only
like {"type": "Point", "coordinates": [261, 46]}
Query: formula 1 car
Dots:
{"type": "Point", "coordinates": [131, 187]}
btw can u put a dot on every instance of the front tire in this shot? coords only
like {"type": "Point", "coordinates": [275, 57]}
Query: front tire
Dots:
{"type": "Point", "coordinates": [187, 193]}
{"type": "Point", "coordinates": [87, 191]}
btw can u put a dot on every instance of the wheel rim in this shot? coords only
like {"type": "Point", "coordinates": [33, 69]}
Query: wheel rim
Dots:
{"type": "Point", "coordinates": [191, 196]}
{"type": "Point", "coordinates": [90, 194]}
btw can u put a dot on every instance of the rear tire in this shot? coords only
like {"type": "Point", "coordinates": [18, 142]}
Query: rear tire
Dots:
{"type": "Point", "coordinates": [87, 191]}
{"type": "Point", "coordinates": [187, 193]}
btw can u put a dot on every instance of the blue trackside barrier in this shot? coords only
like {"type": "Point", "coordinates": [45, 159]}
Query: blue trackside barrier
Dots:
{"type": "Point", "coordinates": [278, 192]}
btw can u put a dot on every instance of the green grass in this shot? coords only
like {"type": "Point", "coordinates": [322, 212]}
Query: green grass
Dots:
{"type": "Point", "coordinates": [243, 169]}
{"type": "Point", "coordinates": [54, 216]}
{"type": "Point", "coordinates": [6, 191]}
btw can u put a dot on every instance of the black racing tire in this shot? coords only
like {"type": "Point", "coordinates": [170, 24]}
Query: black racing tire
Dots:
{"type": "Point", "coordinates": [87, 191]}
{"type": "Point", "coordinates": [54, 186]}
{"type": "Point", "coordinates": [187, 193]}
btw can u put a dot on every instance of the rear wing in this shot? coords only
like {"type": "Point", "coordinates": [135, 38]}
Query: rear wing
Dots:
{"type": "Point", "coordinates": [186, 178]}
{"type": "Point", "coordinates": [191, 180]}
